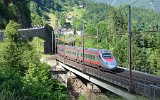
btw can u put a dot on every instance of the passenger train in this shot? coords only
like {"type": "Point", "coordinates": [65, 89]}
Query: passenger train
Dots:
{"type": "Point", "coordinates": [99, 58]}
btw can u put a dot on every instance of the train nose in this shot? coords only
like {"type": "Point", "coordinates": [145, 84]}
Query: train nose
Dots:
{"type": "Point", "coordinates": [112, 65]}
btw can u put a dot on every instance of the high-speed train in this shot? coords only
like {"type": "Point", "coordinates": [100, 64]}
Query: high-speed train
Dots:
{"type": "Point", "coordinates": [92, 57]}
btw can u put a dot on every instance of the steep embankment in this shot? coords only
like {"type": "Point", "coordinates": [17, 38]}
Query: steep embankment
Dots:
{"type": "Point", "coordinates": [16, 10]}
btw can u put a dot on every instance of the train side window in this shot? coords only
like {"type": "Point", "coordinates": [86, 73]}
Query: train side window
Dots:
{"type": "Point", "coordinates": [93, 56]}
{"type": "Point", "coordinates": [90, 57]}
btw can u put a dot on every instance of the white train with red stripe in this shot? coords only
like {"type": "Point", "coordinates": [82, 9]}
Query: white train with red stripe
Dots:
{"type": "Point", "coordinates": [93, 57]}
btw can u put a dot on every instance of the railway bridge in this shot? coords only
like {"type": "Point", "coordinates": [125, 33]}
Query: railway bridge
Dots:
{"type": "Point", "coordinates": [145, 86]}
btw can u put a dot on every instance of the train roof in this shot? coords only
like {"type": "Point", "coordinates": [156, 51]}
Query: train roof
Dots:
{"type": "Point", "coordinates": [91, 49]}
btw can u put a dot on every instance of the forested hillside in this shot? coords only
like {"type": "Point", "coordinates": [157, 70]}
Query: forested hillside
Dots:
{"type": "Point", "coordinates": [27, 12]}
{"type": "Point", "coordinates": [16, 10]}
{"type": "Point", "coordinates": [112, 25]}
{"type": "Point", "coordinates": [149, 4]}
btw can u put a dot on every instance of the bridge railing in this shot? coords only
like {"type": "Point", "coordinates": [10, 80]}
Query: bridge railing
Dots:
{"type": "Point", "coordinates": [154, 92]}
{"type": "Point", "coordinates": [33, 27]}
{"type": "Point", "coordinates": [150, 91]}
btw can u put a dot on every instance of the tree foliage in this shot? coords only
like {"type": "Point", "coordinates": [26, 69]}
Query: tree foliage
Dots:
{"type": "Point", "coordinates": [16, 10]}
{"type": "Point", "coordinates": [22, 75]}
{"type": "Point", "coordinates": [111, 23]}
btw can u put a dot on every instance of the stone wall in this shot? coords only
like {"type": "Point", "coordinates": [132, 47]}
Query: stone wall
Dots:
{"type": "Point", "coordinates": [35, 32]}
{"type": "Point", "coordinates": [30, 32]}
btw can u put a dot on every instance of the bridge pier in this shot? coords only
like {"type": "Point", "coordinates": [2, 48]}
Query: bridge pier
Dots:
{"type": "Point", "coordinates": [76, 85]}
{"type": "Point", "coordinates": [117, 90]}
{"type": "Point", "coordinates": [93, 88]}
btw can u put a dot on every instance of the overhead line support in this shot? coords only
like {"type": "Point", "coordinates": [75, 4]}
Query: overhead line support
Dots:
{"type": "Point", "coordinates": [131, 88]}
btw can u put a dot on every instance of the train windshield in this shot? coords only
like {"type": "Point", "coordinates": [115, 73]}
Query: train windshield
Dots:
{"type": "Point", "coordinates": [107, 55]}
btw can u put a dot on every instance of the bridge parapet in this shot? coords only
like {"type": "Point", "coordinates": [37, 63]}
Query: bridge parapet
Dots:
{"type": "Point", "coordinates": [34, 32]}
{"type": "Point", "coordinates": [29, 32]}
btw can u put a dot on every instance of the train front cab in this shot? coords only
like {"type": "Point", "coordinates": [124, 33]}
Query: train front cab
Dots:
{"type": "Point", "coordinates": [107, 60]}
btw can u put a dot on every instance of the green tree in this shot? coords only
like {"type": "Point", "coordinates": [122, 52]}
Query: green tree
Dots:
{"type": "Point", "coordinates": [33, 7]}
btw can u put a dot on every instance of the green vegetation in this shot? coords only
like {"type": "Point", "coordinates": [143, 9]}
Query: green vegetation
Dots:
{"type": "Point", "coordinates": [77, 12]}
{"type": "Point", "coordinates": [24, 77]}
{"type": "Point", "coordinates": [82, 97]}
{"type": "Point", "coordinates": [16, 10]}
{"type": "Point", "coordinates": [22, 74]}
{"type": "Point", "coordinates": [112, 25]}
{"type": "Point", "coordinates": [53, 20]}
{"type": "Point", "coordinates": [38, 44]}
{"type": "Point", "coordinates": [112, 28]}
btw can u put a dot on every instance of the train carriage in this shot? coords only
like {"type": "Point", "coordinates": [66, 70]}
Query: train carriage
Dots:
{"type": "Point", "coordinates": [93, 57]}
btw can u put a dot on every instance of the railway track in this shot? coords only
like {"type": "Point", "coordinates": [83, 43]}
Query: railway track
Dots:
{"type": "Point", "coordinates": [120, 77]}
{"type": "Point", "coordinates": [139, 77]}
